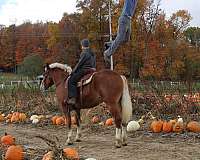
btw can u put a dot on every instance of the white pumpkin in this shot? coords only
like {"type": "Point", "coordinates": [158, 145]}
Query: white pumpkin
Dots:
{"type": "Point", "coordinates": [180, 119]}
{"type": "Point", "coordinates": [133, 126]}
{"type": "Point", "coordinates": [34, 117]}
{"type": "Point", "coordinates": [90, 159]}
{"type": "Point", "coordinates": [35, 121]}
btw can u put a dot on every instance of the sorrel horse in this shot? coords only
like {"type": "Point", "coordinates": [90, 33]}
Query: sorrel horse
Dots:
{"type": "Point", "coordinates": [105, 86]}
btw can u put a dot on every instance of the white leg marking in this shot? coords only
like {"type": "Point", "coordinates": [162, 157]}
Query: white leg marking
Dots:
{"type": "Point", "coordinates": [124, 136]}
{"type": "Point", "coordinates": [118, 133]}
{"type": "Point", "coordinates": [69, 139]}
{"type": "Point", "coordinates": [78, 133]}
{"type": "Point", "coordinates": [118, 138]}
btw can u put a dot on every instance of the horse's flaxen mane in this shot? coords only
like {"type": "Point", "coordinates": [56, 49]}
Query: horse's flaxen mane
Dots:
{"type": "Point", "coordinates": [64, 67]}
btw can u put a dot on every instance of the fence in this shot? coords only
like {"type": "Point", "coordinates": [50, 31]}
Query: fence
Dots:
{"type": "Point", "coordinates": [26, 84]}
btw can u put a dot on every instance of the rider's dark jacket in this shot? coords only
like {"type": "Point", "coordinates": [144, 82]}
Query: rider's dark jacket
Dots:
{"type": "Point", "coordinates": [87, 61]}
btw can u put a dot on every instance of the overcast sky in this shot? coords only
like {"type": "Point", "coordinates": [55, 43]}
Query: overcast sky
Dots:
{"type": "Point", "coordinates": [18, 11]}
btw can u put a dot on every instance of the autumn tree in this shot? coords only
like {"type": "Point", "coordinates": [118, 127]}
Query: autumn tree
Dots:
{"type": "Point", "coordinates": [192, 35]}
{"type": "Point", "coordinates": [31, 66]}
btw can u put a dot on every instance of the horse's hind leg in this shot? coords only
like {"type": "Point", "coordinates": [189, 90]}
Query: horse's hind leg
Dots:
{"type": "Point", "coordinates": [116, 113]}
{"type": "Point", "coordinates": [78, 121]}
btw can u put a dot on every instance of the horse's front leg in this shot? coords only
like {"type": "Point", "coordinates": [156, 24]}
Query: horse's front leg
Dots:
{"type": "Point", "coordinates": [67, 113]}
{"type": "Point", "coordinates": [69, 137]}
{"type": "Point", "coordinates": [78, 121]}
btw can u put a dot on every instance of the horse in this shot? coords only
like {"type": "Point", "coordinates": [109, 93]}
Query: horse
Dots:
{"type": "Point", "coordinates": [106, 86]}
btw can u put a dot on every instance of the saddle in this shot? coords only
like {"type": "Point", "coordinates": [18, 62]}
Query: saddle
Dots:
{"type": "Point", "coordinates": [87, 78]}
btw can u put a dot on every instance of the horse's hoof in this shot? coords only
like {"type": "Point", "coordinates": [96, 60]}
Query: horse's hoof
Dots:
{"type": "Point", "coordinates": [124, 144]}
{"type": "Point", "coordinates": [69, 143]}
{"type": "Point", "coordinates": [78, 140]}
{"type": "Point", "coordinates": [117, 145]}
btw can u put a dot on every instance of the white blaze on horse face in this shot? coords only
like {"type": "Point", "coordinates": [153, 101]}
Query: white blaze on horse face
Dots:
{"type": "Point", "coordinates": [118, 133]}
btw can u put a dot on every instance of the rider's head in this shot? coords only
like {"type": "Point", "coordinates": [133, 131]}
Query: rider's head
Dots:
{"type": "Point", "coordinates": [85, 43]}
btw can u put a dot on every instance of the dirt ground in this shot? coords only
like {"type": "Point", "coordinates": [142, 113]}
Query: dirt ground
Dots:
{"type": "Point", "coordinates": [97, 142]}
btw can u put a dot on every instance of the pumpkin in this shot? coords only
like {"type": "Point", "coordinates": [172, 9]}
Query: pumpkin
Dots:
{"type": "Point", "coordinates": [156, 126]}
{"type": "Point", "coordinates": [15, 117]}
{"type": "Point", "coordinates": [71, 153]}
{"type": "Point", "coordinates": [2, 118]}
{"type": "Point", "coordinates": [53, 119]}
{"type": "Point", "coordinates": [109, 122]}
{"type": "Point", "coordinates": [60, 121]}
{"type": "Point", "coordinates": [22, 117]}
{"type": "Point", "coordinates": [167, 127]}
{"type": "Point", "coordinates": [34, 117]}
{"type": "Point", "coordinates": [9, 116]}
{"type": "Point", "coordinates": [48, 156]}
{"type": "Point", "coordinates": [95, 119]}
{"type": "Point", "coordinates": [35, 121]}
{"type": "Point", "coordinates": [193, 126]}
{"type": "Point", "coordinates": [14, 153]}
{"type": "Point", "coordinates": [7, 139]}
{"type": "Point", "coordinates": [173, 121]}
{"type": "Point", "coordinates": [178, 127]}
{"type": "Point", "coordinates": [133, 126]}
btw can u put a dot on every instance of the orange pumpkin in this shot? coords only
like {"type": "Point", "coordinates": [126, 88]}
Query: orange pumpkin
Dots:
{"type": "Point", "coordinates": [167, 127]}
{"type": "Point", "coordinates": [173, 121]}
{"type": "Point", "coordinates": [60, 121]}
{"type": "Point", "coordinates": [9, 116]}
{"type": "Point", "coordinates": [48, 156]}
{"type": "Point", "coordinates": [22, 117]}
{"type": "Point", "coordinates": [109, 122]}
{"type": "Point", "coordinates": [178, 127]}
{"type": "Point", "coordinates": [7, 139]}
{"type": "Point", "coordinates": [71, 153]}
{"type": "Point", "coordinates": [53, 119]}
{"type": "Point", "coordinates": [2, 118]}
{"type": "Point", "coordinates": [14, 153]}
{"type": "Point", "coordinates": [95, 119]}
{"type": "Point", "coordinates": [193, 126]}
{"type": "Point", "coordinates": [15, 117]}
{"type": "Point", "coordinates": [156, 126]}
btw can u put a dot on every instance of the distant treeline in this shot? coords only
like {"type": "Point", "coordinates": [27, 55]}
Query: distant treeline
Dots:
{"type": "Point", "coordinates": [160, 48]}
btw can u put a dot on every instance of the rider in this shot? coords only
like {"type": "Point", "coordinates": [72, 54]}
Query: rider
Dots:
{"type": "Point", "coordinates": [124, 28]}
{"type": "Point", "coordinates": [87, 61]}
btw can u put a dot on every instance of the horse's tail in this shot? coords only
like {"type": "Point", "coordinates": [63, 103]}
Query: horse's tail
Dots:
{"type": "Point", "coordinates": [126, 102]}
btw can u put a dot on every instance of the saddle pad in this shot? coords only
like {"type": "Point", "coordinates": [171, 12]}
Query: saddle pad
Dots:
{"type": "Point", "coordinates": [85, 81]}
